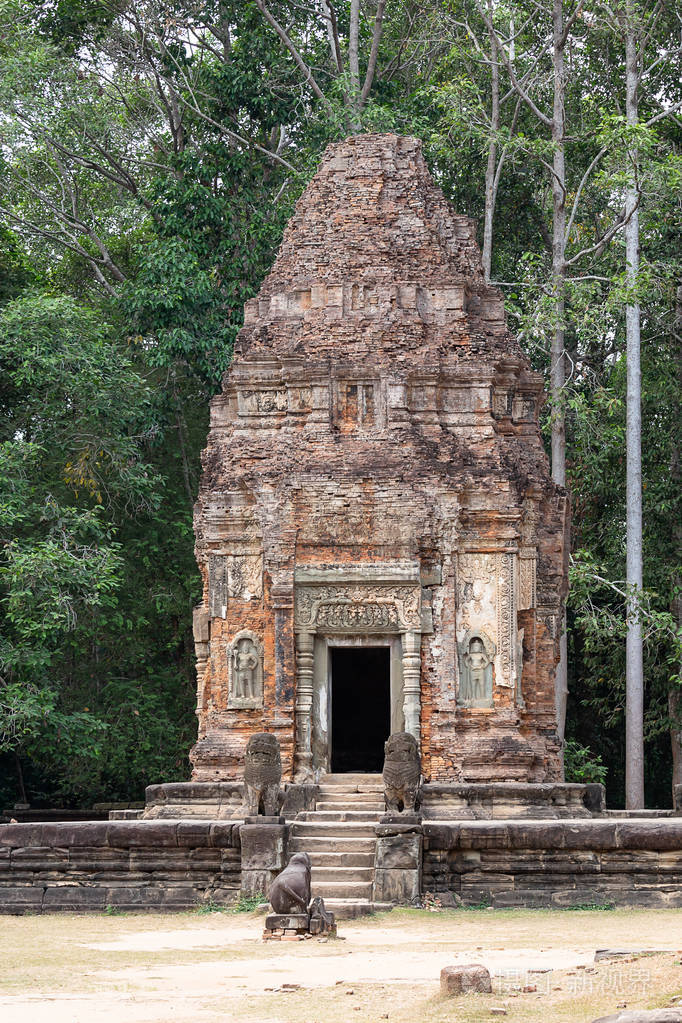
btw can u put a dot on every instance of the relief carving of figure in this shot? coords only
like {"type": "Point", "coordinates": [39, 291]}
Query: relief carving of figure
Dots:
{"type": "Point", "coordinates": [246, 671]}
{"type": "Point", "coordinates": [402, 773]}
{"type": "Point", "coordinates": [245, 661]}
{"type": "Point", "coordinates": [262, 775]}
{"type": "Point", "coordinates": [476, 671]}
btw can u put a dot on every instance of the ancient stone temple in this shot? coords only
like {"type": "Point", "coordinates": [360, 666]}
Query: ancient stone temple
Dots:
{"type": "Point", "coordinates": [383, 553]}
{"type": "Point", "coordinates": [381, 545]}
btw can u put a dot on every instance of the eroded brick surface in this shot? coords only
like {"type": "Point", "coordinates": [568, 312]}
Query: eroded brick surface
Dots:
{"type": "Point", "coordinates": [374, 468]}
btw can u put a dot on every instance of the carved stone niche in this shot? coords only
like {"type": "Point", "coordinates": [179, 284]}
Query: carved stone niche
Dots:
{"type": "Point", "coordinates": [245, 671]}
{"type": "Point", "coordinates": [476, 657]}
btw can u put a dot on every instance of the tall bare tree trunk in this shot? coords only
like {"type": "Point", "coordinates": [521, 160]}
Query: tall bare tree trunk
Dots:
{"type": "Point", "coordinates": [634, 667]}
{"type": "Point", "coordinates": [675, 692]}
{"type": "Point", "coordinates": [491, 167]}
{"type": "Point", "coordinates": [353, 63]}
{"type": "Point", "coordinates": [558, 363]}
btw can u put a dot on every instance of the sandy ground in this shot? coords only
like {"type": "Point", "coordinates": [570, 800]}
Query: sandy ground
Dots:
{"type": "Point", "coordinates": [209, 967]}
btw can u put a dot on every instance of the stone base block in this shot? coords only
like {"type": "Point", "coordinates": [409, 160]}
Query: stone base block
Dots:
{"type": "Point", "coordinates": [263, 819]}
{"type": "Point", "coordinates": [399, 886]}
{"type": "Point", "coordinates": [401, 818]}
{"type": "Point", "coordinates": [287, 921]}
{"type": "Point", "coordinates": [511, 801]}
{"type": "Point", "coordinates": [464, 980]}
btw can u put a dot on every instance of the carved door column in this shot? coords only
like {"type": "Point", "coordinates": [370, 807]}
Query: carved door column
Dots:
{"type": "Point", "coordinates": [412, 681]}
{"type": "Point", "coordinates": [304, 705]}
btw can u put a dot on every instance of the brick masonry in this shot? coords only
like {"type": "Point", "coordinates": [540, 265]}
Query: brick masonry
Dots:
{"type": "Point", "coordinates": [556, 863]}
{"type": "Point", "coordinates": [154, 865]}
{"type": "Point", "coordinates": [374, 470]}
{"type": "Point", "coordinates": [173, 865]}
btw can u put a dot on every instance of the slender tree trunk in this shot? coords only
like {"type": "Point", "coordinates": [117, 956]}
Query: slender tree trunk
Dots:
{"type": "Point", "coordinates": [20, 779]}
{"type": "Point", "coordinates": [675, 692]}
{"type": "Point", "coordinates": [183, 452]}
{"type": "Point", "coordinates": [558, 364]}
{"type": "Point", "coordinates": [490, 171]}
{"type": "Point", "coordinates": [353, 63]}
{"type": "Point", "coordinates": [634, 668]}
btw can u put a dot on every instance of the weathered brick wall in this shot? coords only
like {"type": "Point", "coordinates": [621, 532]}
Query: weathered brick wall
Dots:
{"type": "Point", "coordinates": [155, 865]}
{"type": "Point", "coordinates": [379, 412]}
{"type": "Point", "coordinates": [555, 863]}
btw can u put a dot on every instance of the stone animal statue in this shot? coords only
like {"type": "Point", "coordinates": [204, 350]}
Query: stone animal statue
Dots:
{"type": "Point", "coordinates": [262, 775]}
{"type": "Point", "coordinates": [290, 891]}
{"type": "Point", "coordinates": [402, 773]}
{"type": "Point", "coordinates": [321, 920]}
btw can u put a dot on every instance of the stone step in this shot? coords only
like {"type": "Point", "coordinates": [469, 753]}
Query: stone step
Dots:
{"type": "Point", "coordinates": [342, 889]}
{"type": "Point", "coordinates": [337, 815]}
{"type": "Point", "coordinates": [334, 875]}
{"type": "Point", "coordinates": [349, 798]}
{"type": "Point", "coordinates": [341, 858]}
{"type": "Point", "coordinates": [348, 909]}
{"type": "Point", "coordinates": [350, 778]}
{"type": "Point", "coordinates": [348, 804]}
{"type": "Point", "coordinates": [333, 829]}
{"type": "Point", "coordinates": [314, 844]}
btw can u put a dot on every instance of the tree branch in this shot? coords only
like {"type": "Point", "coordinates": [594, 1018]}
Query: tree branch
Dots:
{"type": "Point", "coordinates": [300, 63]}
{"type": "Point", "coordinates": [371, 66]}
{"type": "Point", "coordinates": [541, 116]}
{"type": "Point", "coordinates": [600, 245]}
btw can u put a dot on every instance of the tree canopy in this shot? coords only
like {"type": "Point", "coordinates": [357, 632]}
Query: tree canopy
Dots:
{"type": "Point", "coordinates": [150, 157]}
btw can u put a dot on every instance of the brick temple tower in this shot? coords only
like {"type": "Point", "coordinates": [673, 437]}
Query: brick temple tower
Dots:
{"type": "Point", "coordinates": [381, 545]}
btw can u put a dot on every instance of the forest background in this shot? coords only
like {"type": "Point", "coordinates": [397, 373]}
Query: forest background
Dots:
{"type": "Point", "coordinates": [150, 156]}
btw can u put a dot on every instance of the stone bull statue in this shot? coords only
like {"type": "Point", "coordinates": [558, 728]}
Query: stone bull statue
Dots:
{"type": "Point", "coordinates": [262, 775]}
{"type": "Point", "coordinates": [290, 891]}
{"type": "Point", "coordinates": [402, 773]}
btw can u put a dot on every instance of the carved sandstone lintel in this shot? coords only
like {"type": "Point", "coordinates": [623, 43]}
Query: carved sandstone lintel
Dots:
{"type": "Point", "coordinates": [357, 607]}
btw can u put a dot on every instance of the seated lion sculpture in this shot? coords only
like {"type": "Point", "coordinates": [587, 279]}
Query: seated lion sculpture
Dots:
{"type": "Point", "coordinates": [402, 773]}
{"type": "Point", "coordinates": [290, 891]}
{"type": "Point", "coordinates": [262, 775]}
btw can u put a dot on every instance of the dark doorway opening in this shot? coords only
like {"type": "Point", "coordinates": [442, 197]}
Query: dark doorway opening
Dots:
{"type": "Point", "coordinates": [361, 707]}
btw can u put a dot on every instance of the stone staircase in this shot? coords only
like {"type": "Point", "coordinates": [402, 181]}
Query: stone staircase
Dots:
{"type": "Point", "coordinates": [340, 838]}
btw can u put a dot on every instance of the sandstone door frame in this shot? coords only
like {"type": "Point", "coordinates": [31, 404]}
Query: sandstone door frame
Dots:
{"type": "Point", "coordinates": [323, 687]}
{"type": "Point", "coordinates": [354, 605]}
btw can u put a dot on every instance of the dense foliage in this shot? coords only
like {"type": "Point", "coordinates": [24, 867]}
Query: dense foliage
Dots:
{"type": "Point", "coordinates": [150, 156]}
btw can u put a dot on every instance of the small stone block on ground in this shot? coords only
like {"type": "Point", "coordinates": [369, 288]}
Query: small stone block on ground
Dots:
{"type": "Point", "coordinates": [464, 980]}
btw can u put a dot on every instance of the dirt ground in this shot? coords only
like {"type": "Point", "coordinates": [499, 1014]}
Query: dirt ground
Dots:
{"type": "Point", "coordinates": [205, 967]}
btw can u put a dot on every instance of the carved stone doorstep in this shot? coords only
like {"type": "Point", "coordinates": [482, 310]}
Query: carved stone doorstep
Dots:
{"type": "Point", "coordinates": [355, 600]}
{"type": "Point", "coordinates": [245, 671]}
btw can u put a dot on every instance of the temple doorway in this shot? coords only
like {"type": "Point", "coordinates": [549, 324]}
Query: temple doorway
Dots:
{"type": "Point", "coordinates": [361, 707]}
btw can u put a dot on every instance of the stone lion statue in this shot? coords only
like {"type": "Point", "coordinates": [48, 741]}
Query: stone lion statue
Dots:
{"type": "Point", "coordinates": [402, 773]}
{"type": "Point", "coordinates": [262, 775]}
{"type": "Point", "coordinates": [290, 891]}
{"type": "Point", "coordinates": [321, 920]}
